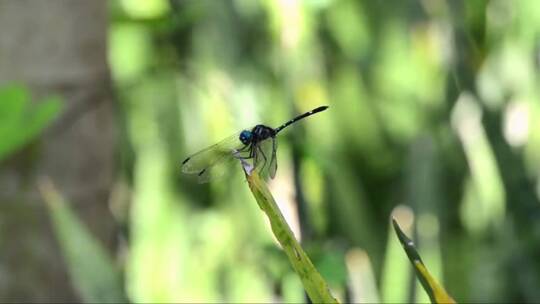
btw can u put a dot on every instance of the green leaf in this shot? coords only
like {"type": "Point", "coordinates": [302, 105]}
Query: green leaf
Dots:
{"type": "Point", "coordinates": [436, 292]}
{"type": "Point", "coordinates": [22, 121]}
{"type": "Point", "coordinates": [314, 284]}
{"type": "Point", "coordinates": [91, 269]}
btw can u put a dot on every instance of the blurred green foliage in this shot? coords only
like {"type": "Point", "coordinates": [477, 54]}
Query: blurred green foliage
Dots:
{"type": "Point", "coordinates": [21, 120]}
{"type": "Point", "coordinates": [433, 105]}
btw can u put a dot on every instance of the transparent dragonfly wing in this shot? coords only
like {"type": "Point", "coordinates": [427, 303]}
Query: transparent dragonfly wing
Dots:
{"type": "Point", "coordinates": [218, 170]}
{"type": "Point", "coordinates": [272, 168]}
{"type": "Point", "coordinates": [265, 157]}
{"type": "Point", "coordinates": [214, 160]}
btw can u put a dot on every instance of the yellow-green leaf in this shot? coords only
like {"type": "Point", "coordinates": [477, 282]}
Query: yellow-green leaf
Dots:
{"type": "Point", "coordinates": [436, 292]}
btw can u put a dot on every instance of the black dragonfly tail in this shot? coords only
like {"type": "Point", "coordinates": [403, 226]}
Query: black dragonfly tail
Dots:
{"type": "Point", "coordinates": [299, 117]}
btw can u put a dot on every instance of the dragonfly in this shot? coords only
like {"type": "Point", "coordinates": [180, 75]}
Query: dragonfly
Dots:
{"type": "Point", "coordinates": [255, 147]}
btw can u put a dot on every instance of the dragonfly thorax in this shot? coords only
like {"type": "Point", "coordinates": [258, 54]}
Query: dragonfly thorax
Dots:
{"type": "Point", "coordinates": [261, 132]}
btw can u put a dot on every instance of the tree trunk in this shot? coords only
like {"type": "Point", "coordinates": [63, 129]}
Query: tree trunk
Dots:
{"type": "Point", "coordinates": [55, 47]}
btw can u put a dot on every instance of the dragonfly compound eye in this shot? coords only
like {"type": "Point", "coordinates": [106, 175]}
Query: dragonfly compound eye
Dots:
{"type": "Point", "coordinates": [245, 137]}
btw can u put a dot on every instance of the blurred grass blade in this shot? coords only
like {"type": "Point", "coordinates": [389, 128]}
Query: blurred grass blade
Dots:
{"type": "Point", "coordinates": [436, 292]}
{"type": "Point", "coordinates": [396, 272]}
{"type": "Point", "coordinates": [91, 269]}
{"type": "Point", "coordinates": [362, 283]}
{"type": "Point", "coordinates": [314, 284]}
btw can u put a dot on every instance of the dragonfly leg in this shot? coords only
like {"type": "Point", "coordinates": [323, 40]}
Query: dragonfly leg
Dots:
{"type": "Point", "coordinates": [251, 151]}
{"type": "Point", "coordinates": [243, 149]}
{"type": "Point", "coordinates": [264, 156]}
{"type": "Point", "coordinates": [272, 166]}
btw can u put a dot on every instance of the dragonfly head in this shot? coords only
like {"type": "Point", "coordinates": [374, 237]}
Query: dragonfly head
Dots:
{"type": "Point", "coordinates": [246, 137]}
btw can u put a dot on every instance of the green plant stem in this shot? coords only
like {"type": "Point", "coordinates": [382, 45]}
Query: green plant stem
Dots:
{"type": "Point", "coordinates": [314, 284]}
